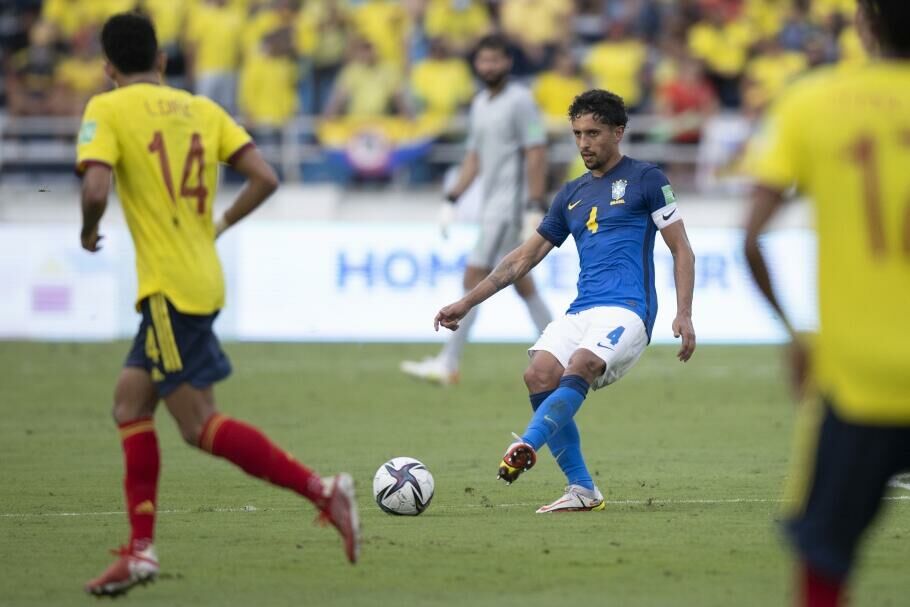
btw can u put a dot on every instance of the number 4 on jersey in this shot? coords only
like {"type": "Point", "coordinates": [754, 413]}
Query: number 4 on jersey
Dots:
{"type": "Point", "coordinates": [194, 163]}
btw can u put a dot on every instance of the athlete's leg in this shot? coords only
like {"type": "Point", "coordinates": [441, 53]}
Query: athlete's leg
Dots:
{"type": "Point", "coordinates": [542, 378]}
{"type": "Point", "coordinates": [538, 310]}
{"type": "Point", "coordinates": [451, 352]}
{"type": "Point", "coordinates": [135, 400]}
{"type": "Point", "coordinates": [247, 447]}
{"type": "Point", "coordinates": [560, 407]}
{"type": "Point", "coordinates": [202, 426]}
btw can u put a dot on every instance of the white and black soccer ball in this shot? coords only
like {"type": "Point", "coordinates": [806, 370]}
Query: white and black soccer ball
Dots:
{"type": "Point", "coordinates": [403, 486]}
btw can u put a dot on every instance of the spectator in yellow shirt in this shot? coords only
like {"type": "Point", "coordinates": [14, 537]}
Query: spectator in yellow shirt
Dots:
{"type": "Point", "coordinates": [555, 88]}
{"type": "Point", "coordinates": [31, 73]}
{"type": "Point", "coordinates": [268, 84]}
{"type": "Point", "coordinates": [80, 75]}
{"type": "Point", "coordinates": [618, 65]}
{"type": "Point", "coordinates": [169, 18]}
{"type": "Point", "coordinates": [213, 34]}
{"type": "Point", "coordinates": [366, 87]}
{"type": "Point", "coordinates": [537, 27]}
{"type": "Point", "coordinates": [769, 72]}
{"type": "Point", "coordinates": [384, 24]}
{"type": "Point", "coordinates": [721, 41]}
{"type": "Point", "coordinates": [459, 23]}
{"type": "Point", "coordinates": [322, 39]}
{"type": "Point", "coordinates": [441, 84]}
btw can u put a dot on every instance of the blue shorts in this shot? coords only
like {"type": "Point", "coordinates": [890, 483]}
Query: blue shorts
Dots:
{"type": "Point", "coordinates": [847, 480]}
{"type": "Point", "coordinates": [177, 348]}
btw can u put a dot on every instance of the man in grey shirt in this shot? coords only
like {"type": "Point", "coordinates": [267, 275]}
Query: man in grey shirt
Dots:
{"type": "Point", "coordinates": [506, 149]}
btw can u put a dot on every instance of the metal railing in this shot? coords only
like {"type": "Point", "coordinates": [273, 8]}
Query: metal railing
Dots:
{"type": "Point", "coordinates": [48, 143]}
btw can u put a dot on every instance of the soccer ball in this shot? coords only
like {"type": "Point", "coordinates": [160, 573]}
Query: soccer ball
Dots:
{"type": "Point", "coordinates": [403, 486]}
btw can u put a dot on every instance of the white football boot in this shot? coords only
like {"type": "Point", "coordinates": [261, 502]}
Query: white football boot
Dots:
{"type": "Point", "coordinates": [135, 565]}
{"type": "Point", "coordinates": [576, 499]}
{"type": "Point", "coordinates": [432, 369]}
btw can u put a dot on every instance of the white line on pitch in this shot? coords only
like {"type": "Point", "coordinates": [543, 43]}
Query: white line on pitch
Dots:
{"type": "Point", "coordinates": [651, 502]}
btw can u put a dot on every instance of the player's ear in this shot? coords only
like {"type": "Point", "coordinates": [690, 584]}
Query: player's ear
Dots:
{"type": "Point", "coordinates": [161, 62]}
{"type": "Point", "coordinates": [864, 30]}
{"type": "Point", "coordinates": [618, 132]}
{"type": "Point", "coordinates": [110, 71]}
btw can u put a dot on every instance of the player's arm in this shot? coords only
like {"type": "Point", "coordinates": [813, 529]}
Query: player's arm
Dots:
{"type": "Point", "coordinates": [765, 203]}
{"type": "Point", "coordinates": [96, 185]}
{"type": "Point", "coordinates": [261, 182]}
{"type": "Point", "coordinates": [684, 275]}
{"type": "Point", "coordinates": [466, 175]}
{"type": "Point", "coordinates": [536, 159]}
{"type": "Point", "coordinates": [512, 267]}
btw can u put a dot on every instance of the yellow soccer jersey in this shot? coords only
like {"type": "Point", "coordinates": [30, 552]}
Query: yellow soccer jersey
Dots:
{"type": "Point", "coordinates": [842, 136]}
{"type": "Point", "coordinates": [164, 146]}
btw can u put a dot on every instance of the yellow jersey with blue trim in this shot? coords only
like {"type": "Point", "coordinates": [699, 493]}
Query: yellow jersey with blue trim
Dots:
{"type": "Point", "coordinates": [164, 146]}
{"type": "Point", "coordinates": [842, 136]}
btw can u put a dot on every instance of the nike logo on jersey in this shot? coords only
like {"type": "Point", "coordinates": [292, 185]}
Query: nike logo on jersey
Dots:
{"type": "Point", "coordinates": [603, 346]}
{"type": "Point", "coordinates": [668, 215]}
{"type": "Point", "coordinates": [574, 204]}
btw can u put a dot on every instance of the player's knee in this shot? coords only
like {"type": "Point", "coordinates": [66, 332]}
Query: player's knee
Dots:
{"type": "Point", "coordinates": [588, 367]}
{"type": "Point", "coordinates": [191, 431]}
{"type": "Point", "coordinates": [540, 379]}
{"type": "Point", "coordinates": [125, 412]}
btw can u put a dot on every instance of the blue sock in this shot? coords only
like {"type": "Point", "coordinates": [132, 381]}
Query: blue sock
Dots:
{"type": "Point", "coordinates": [565, 446]}
{"type": "Point", "coordinates": [556, 411]}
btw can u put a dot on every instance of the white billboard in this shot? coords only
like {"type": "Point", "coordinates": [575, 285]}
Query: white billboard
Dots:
{"type": "Point", "coordinates": [296, 281]}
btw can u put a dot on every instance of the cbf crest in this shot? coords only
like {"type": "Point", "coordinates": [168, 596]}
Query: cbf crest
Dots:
{"type": "Point", "coordinates": [619, 190]}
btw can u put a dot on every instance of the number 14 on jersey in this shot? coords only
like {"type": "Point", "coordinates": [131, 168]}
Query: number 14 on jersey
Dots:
{"type": "Point", "coordinates": [193, 166]}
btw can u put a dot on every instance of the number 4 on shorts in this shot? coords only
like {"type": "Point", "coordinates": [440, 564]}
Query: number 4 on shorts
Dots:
{"type": "Point", "coordinates": [615, 334]}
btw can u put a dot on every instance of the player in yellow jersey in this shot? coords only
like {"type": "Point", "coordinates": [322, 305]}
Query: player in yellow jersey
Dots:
{"type": "Point", "coordinates": [163, 147]}
{"type": "Point", "coordinates": [842, 136]}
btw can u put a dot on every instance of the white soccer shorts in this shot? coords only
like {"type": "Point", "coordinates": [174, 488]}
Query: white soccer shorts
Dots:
{"type": "Point", "coordinates": [616, 335]}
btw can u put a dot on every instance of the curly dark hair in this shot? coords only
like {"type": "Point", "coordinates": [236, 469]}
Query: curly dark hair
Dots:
{"type": "Point", "coordinates": [606, 107]}
{"type": "Point", "coordinates": [129, 42]}
{"type": "Point", "coordinates": [889, 21]}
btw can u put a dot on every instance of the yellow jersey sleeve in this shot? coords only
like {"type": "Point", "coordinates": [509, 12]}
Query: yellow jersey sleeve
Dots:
{"type": "Point", "coordinates": [97, 141]}
{"type": "Point", "coordinates": [234, 137]}
{"type": "Point", "coordinates": [775, 157]}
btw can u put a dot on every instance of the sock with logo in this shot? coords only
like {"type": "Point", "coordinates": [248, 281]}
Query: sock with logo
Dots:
{"type": "Point", "coordinates": [565, 445]}
{"type": "Point", "coordinates": [142, 463]}
{"type": "Point", "coordinates": [539, 311]}
{"type": "Point", "coordinates": [817, 589]}
{"type": "Point", "coordinates": [255, 454]}
{"type": "Point", "coordinates": [556, 410]}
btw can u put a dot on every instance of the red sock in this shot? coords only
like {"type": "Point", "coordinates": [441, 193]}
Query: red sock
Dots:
{"type": "Point", "coordinates": [252, 451]}
{"type": "Point", "coordinates": [140, 481]}
{"type": "Point", "coordinates": [819, 590]}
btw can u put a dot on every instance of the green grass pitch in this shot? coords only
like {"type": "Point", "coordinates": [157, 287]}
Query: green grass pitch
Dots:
{"type": "Point", "coordinates": [691, 458]}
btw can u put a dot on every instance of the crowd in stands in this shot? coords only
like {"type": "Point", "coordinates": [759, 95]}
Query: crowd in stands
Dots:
{"type": "Point", "coordinates": [268, 61]}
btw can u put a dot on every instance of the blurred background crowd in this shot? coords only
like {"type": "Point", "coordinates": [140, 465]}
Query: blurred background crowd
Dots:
{"type": "Point", "coordinates": [393, 75]}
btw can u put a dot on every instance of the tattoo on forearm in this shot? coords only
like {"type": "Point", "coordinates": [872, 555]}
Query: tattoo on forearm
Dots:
{"type": "Point", "coordinates": [505, 274]}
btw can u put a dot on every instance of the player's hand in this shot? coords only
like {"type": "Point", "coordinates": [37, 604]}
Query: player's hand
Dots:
{"type": "Point", "coordinates": [449, 316]}
{"type": "Point", "coordinates": [799, 361]}
{"type": "Point", "coordinates": [446, 218]}
{"type": "Point", "coordinates": [91, 239]}
{"type": "Point", "coordinates": [682, 326]}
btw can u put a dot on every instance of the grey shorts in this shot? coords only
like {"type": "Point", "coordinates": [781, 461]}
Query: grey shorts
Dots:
{"type": "Point", "coordinates": [496, 240]}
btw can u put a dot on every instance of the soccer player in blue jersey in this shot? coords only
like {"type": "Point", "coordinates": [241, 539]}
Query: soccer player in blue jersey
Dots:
{"type": "Point", "coordinates": [614, 212]}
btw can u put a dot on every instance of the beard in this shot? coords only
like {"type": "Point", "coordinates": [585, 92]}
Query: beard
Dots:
{"type": "Point", "coordinates": [592, 163]}
{"type": "Point", "coordinates": [494, 80]}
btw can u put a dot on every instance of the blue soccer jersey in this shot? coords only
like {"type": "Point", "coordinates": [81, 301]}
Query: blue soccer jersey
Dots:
{"type": "Point", "coordinates": [614, 220]}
